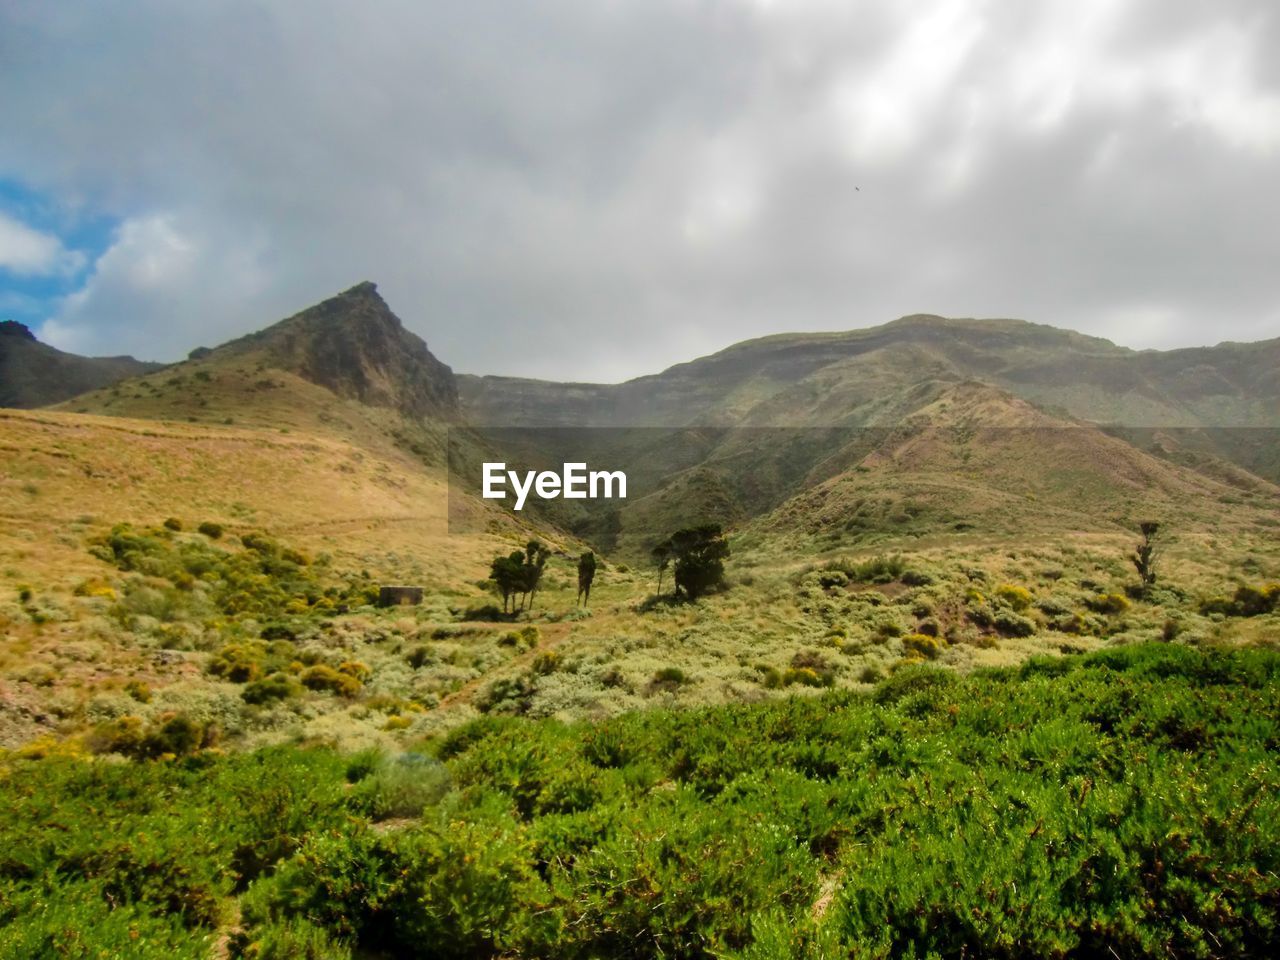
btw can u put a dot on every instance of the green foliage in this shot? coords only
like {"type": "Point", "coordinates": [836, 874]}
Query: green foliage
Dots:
{"type": "Point", "coordinates": [1108, 603]}
{"type": "Point", "coordinates": [1016, 597]}
{"type": "Point", "coordinates": [276, 686]}
{"type": "Point", "coordinates": [1126, 801]}
{"type": "Point", "coordinates": [698, 555]}
{"type": "Point", "coordinates": [264, 580]}
{"type": "Point", "coordinates": [128, 860]}
{"type": "Point", "coordinates": [878, 569]}
{"type": "Point", "coordinates": [323, 677]}
{"type": "Point", "coordinates": [519, 574]}
{"type": "Point", "coordinates": [399, 787]}
{"type": "Point", "coordinates": [210, 529]}
{"type": "Point", "coordinates": [1248, 601]}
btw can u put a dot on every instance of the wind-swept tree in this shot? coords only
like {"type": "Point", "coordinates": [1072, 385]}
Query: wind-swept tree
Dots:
{"type": "Point", "coordinates": [507, 574]}
{"type": "Point", "coordinates": [1144, 555]}
{"type": "Point", "coordinates": [535, 559]}
{"type": "Point", "coordinates": [586, 575]}
{"type": "Point", "coordinates": [519, 573]}
{"type": "Point", "coordinates": [698, 554]}
{"type": "Point", "coordinates": [662, 559]}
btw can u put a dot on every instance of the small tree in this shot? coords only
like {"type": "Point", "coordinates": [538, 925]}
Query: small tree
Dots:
{"type": "Point", "coordinates": [507, 573]}
{"type": "Point", "coordinates": [1145, 554]}
{"type": "Point", "coordinates": [698, 554]}
{"type": "Point", "coordinates": [662, 559]}
{"type": "Point", "coordinates": [586, 575]}
{"type": "Point", "coordinates": [535, 559]}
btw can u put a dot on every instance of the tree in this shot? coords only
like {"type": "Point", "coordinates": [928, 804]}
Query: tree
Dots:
{"type": "Point", "coordinates": [586, 575]}
{"type": "Point", "coordinates": [520, 572]}
{"type": "Point", "coordinates": [535, 559]}
{"type": "Point", "coordinates": [662, 558]}
{"type": "Point", "coordinates": [1145, 554]}
{"type": "Point", "coordinates": [698, 554]}
{"type": "Point", "coordinates": [507, 574]}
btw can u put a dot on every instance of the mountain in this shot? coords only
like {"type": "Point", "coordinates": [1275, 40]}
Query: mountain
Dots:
{"type": "Point", "coordinates": [34, 374]}
{"type": "Point", "coordinates": [828, 377]}
{"type": "Point", "coordinates": [353, 345]}
{"type": "Point", "coordinates": [1209, 403]}
{"type": "Point", "coordinates": [976, 457]}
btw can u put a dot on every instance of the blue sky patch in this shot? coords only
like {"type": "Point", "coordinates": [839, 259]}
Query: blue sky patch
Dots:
{"type": "Point", "coordinates": [33, 297]}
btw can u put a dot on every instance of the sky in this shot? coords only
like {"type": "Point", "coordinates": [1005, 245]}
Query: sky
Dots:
{"type": "Point", "coordinates": [596, 189]}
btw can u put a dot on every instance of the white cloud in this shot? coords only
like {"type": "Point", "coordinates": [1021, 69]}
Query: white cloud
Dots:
{"type": "Point", "coordinates": [28, 252]}
{"type": "Point", "coordinates": [157, 290]}
{"type": "Point", "coordinates": [581, 190]}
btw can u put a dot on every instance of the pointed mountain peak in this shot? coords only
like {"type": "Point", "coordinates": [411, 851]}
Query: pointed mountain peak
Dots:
{"type": "Point", "coordinates": [355, 346]}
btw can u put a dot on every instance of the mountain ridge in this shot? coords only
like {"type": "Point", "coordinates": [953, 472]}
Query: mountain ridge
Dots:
{"type": "Point", "coordinates": [35, 374]}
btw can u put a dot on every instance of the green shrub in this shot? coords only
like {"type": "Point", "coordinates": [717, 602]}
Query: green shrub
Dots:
{"type": "Point", "coordinates": [1012, 624]}
{"type": "Point", "coordinates": [803, 676]}
{"type": "Point", "coordinates": [322, 677]}
{"type": "Point", "coordinates": [924, 644]}
{"type": "Point", "coordinates": [277, 686]}
{"type": "Point", "coordinates": [1108, 603]}
{"type": "Point", "coordinates": [173, 523]}
{"type": "Point", "coordinates": [670, 675]}
{"type": "Point", "coordinates": [1016, 597]}
{"type": "Point", "coordinates": [210, 529]}
{"type": "Point", "coordinates": [400, 787]}
{"type": "Point", "coordinates": [548, 661]}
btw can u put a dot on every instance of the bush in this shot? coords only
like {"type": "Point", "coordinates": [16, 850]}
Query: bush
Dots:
{"type": "Point", "coordinates": [277, 686]}
{"type": "Point", "coordinates": [804, 676]}
{"type": "Point", "coordinates": [1108, 603]}
{"type": "Point", "coordinates": [173, 523]}
{"type": "Point", "coordinates": [400, 787]}
{"type": "Point", "coordinates": [924, 644]}
{"type": "Point", "coordinates": [1018, 598]}
{"type": "Point", "coordinates": [210, 529]}
{"type": "Point", "coordinates": [1012, 624]}
{"type": "Point", "coordinates": [672, 675]}
{"type": "Point", "coordinates": [238, 662]}
{"type": "Point", "coordinates": [322, 677]}
{"type": "Point", "coordinates": [548, 661]}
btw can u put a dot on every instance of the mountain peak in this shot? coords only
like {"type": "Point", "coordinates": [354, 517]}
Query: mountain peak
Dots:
{"type": "Point", "coordinates": [12, 328]}
{"type": "Point", "coordinates": [355, 346]}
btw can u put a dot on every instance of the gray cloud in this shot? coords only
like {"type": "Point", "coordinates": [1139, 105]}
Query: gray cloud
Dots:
{"type": "Point", "coordinates": [589, 190]}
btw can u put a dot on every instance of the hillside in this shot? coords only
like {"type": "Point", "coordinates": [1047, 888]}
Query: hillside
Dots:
{"type": "Point", "coordinates": [34, 374]}
{"type": "Point", "coordinates": [867, 488]}
{"type": "Point", "coordinates": [1220, 402]}
{"type": "Point", "coordinates": [776, 379]}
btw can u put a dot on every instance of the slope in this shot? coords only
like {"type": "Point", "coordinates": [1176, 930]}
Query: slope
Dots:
{"type": "Point", "coordinates": [34, 374]}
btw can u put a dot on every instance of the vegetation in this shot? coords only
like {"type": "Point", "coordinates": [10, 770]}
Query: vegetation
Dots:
{"type": "Point", "coordinates": [1126, 800]}
{"type": "Point", "coordinates": [586, 576]}
{"type": "Point", "coordinates": [698, 555]}
{"type": "Point", "coordinates": [519, 574]}
{"type": "Point", "coordinates": [1144, 555]}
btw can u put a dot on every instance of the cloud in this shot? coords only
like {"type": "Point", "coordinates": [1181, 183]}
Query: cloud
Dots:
{"type": "Point", "coordinates": [595, 190]}
{"type": "Point", "coordinates": [28, 252]}
{"type": "Point", "coordinates": [174, 285]}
